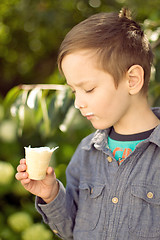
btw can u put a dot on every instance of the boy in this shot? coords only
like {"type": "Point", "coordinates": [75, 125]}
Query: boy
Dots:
{"type": "Point", "coordinates": [113, 179]}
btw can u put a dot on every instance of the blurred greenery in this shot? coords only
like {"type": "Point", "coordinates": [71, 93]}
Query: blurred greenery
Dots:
{"type": "Point", "coordinates": [42, 114]}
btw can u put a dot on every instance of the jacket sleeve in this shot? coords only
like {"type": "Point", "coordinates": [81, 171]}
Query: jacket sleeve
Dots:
{"type": "Point", "coordinates": [60, 214]}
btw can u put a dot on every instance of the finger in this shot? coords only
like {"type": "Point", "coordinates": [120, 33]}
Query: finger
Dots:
{"type": "Point", "coordinates": [23, 161]}
{"type": "Point", "coordinates": [25, 181]}
{"type": "Point", "coordinates": [50, 171]}
{"type": "Point", "coordinates": [50, 176]}
{"type": "Point", "coordinates": [21, 168]}
{"type": "Point", "coordinates": [20, 176]}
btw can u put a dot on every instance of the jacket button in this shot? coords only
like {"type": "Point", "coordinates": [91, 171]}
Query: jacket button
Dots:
{"type": "Point", "coordinates": [109, 159]}
{"type": "Point", "coordinates": [150, 195]}
{"type": "Point", "coordinates": [115, 200]}
{"type": "Point", "coordinates": [55, 231]}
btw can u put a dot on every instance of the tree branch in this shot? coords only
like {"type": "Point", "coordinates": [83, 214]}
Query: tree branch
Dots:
{"type": "Point", "coordinates": [42, 86]}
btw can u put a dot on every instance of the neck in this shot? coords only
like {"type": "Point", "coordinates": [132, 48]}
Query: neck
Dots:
{"type": "Point", "coordinates": [139, 118]}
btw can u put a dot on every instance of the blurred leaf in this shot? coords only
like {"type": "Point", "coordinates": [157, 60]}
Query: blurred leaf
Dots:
{"type": "Point", "coordinates": [11, 96]}
{"type": "Point", "coordinates": [8, 131]}
{"type": "Point", "coordinates": [7, 234]}
{"type": "Point", "coordinates": [6, 173]}
{"type": "Point", "coordinates": [32, 98]}
{"type": "Point", "coordinates": [19, 221]}
{"type": "Point", "coordinates": [19, 190]}
{"type": "Point", "coordinates": [37, 231]}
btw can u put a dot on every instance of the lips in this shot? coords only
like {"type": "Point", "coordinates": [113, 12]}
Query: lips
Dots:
{"type": "Point", "coordinates": [89, 115]}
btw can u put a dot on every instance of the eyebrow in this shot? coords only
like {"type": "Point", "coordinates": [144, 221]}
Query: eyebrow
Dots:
{"type": "Point", "coordinates": [80, 83]}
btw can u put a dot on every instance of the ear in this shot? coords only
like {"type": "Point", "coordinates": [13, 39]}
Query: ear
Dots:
{"type": "Point", "coordinates": [135, 79]}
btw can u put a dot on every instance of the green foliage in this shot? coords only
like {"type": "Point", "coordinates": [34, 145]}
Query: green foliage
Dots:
{"type": "Point", "coordinates": [6, 173]}
{"type": "Point", "coordinates": [37, 231]}
{"type": "Point", "coordinates": [19, 221]}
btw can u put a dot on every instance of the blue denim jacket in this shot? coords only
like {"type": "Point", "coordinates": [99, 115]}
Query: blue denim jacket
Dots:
{"type": "Point", "coordinates": [104, 201]}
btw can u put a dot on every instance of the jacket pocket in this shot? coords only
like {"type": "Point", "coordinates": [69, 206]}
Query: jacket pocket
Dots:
{"type": "Point", "coordinates": [89, 206]}
{"type": "Point", "coordinates": [144, 217]}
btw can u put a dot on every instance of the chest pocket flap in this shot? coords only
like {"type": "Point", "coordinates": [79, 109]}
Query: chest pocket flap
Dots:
{"type": "Point", "coordinates": [144, 217]}
{"type": "Point", "coordinates": [93, 190]}
{"type": "Point", "coordinates": [149, 193]}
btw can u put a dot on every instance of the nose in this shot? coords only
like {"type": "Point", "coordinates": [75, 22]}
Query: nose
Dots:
{"type": "Point", "coordinates": [79, 102]}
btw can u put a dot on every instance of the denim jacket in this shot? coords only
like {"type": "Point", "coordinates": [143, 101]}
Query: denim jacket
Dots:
{"type": "Point", "coordinates": [104, 201]}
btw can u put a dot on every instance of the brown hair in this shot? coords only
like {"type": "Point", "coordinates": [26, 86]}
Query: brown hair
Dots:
{"type": "Point", "coordinates": [119, 43]}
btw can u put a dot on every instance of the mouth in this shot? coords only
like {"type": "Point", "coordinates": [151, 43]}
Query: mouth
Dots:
{"type": "Point", "coordinates": [89, 115]}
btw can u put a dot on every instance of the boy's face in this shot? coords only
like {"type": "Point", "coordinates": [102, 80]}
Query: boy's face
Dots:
{"type": "Point", "coordinates": [96, 96]}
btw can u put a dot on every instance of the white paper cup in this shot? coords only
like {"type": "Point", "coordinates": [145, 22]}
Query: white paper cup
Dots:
{"type": "Point", "coordinates": [37, 161]}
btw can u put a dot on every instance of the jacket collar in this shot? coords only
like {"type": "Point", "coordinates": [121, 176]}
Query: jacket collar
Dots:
{"type": "Point", "coordinates": [155, 136]}
{"type": "Point", "coordinates": [100, 137]}
{"type": "Point", "coordinates": [99, 140]}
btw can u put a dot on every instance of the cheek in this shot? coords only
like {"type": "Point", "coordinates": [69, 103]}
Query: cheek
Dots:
{"type": "Point", "coordinates": [109, 100]}
{"type": "Point", "coordinates": [114, 104]}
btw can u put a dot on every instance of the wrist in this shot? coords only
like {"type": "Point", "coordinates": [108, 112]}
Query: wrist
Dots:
{"type": "Point", "coordinates": [53, 194]}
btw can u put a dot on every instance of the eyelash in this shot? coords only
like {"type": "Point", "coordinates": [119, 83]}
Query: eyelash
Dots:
{"type": "Point", "coordinates": [89, 91]}
{"type": "Point", "coordinates": [86, 91]}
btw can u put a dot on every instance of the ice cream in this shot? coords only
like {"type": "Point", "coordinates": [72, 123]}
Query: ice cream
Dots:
{"type": "Point", "coordinates": [37, 161]}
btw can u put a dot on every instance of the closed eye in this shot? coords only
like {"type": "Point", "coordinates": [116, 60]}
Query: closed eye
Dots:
{"type": "Point", "coordinates": [90, 90]}
{"type": "Point", "coordinates": [86, 91]}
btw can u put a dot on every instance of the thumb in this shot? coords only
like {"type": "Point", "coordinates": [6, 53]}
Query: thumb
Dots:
{"type": "Point", "coordinates": [50, 173]}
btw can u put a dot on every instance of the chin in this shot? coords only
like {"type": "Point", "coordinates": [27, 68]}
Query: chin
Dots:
{"type": "Point", "coordinates": [101, 127]}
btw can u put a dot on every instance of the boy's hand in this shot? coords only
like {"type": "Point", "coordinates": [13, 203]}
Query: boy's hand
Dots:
{"type": "Point", "coordinates": [47, 188]}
